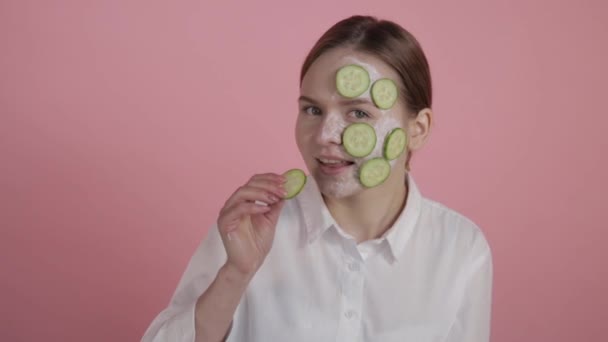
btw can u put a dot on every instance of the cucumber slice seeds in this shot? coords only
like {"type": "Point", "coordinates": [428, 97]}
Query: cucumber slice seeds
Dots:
{"type": "Point", "coordinates": [384, 93]}
{"type": "Point", "coordinates": [296, 179]}
{"type": "Point", "coordinates": [395, 144]}
{"type": "Point", "coordinates": [352, 80]}
{"type": "Point", "coordinates": [359, 139]}
{"type": "Point", "coordinates": [374, 172]}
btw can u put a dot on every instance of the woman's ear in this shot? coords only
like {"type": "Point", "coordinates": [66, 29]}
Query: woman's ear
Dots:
{"type": "Point", "coordinates": [419, 129]}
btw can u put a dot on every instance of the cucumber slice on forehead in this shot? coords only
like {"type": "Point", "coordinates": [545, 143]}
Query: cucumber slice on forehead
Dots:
{"type": "Point", "coordinates": [359, 139]}
{"type": "Point", "coordinates": [384, 93]}
{"type": "Point", "coordinates": [374, 172]}
{"type": "Point", "coordinates": [395, 144]}
{"type": "Point", "coordinates": [352, 80]}
{"type": "Point", "coordinates": [296, 179]}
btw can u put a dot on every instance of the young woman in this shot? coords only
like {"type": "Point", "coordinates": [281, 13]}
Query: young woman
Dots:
{"type": "Point", "coordinates": [341, 261]}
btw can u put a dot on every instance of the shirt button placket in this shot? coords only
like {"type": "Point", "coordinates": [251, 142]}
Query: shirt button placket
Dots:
{"type": "Point", "coordinates": [352, 296]}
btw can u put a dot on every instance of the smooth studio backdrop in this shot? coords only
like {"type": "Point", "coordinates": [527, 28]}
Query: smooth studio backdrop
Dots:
{"type": "Point", "coordinates": [124, 126]}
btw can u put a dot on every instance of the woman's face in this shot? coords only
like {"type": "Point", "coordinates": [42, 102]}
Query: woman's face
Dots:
{"type": "Point", "coordinates": [324, 114]}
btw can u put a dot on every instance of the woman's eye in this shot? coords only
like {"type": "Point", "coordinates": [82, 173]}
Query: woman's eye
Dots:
{"type": "Point", "coordinates": [359, 114]}
{"type": "Point", "coordinates": [312, 110]}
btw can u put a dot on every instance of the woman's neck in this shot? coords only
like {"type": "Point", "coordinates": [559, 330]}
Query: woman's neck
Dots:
{"type": "Point", "coordinates": [370, 213]}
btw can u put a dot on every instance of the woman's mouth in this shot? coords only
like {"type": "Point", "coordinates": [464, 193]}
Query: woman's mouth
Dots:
{"type": "Point", "coordinates": [333, 167]}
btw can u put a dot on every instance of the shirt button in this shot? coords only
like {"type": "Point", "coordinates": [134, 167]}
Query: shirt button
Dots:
{"type": "Point", "coordinates": [350, 314]}
{"type": "Point", "coordinates": [353, 267]}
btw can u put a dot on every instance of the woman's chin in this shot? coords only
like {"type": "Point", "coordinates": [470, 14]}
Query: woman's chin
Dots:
{"type": "Point", "coordinates": [338, 187]}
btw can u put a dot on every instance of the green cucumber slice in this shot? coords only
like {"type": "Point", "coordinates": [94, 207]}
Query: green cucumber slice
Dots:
{"type": "Point", "coordinates": [374, 172]}
{"type": "Point", "coordinates": [384, 93]}
{"type": "Point", "coordinates": [395, 143]}
{"type": "Point", "coordinates": [359, 139]}
{"type": "Point", "coordinates": [352, 80]}
{"type": "Point", "coordinates": [296, 179]}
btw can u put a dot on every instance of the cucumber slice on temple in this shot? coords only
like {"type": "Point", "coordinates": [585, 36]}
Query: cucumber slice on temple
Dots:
{"type": "Point", "coordinates": [296, 179]}
{"type": "Point", "coordinates": [384, 93]}
{"type": "Point", "coordinates": [359, 139]}
{"type": "Point", "coordinates": [352, 80]}
{"type": "Point", "coordinates": [374, 172]}
{"type": "Point", "coordinates": [395, 144]}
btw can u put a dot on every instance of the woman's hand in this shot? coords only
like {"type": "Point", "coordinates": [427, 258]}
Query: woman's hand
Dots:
{"type": "Point", "coordinates": [247, 228]}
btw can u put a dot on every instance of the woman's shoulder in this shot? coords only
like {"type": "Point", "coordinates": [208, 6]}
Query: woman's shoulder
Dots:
{"type": "Point", "coordinates": [453, 226]}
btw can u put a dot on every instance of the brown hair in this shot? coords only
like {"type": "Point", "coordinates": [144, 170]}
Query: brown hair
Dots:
{"type": "Point", "coordinates": [389, 42]}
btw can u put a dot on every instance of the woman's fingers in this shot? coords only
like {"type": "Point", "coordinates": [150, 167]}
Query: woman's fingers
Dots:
{"type": "Point", "coordinates": [275, 211]}
{"type": "Point", "coordinates": [235, 213]}
{"type": "Point", "coordinates": [257, 190]}
{"type": "Point", "coordinates": [251, 194]}
{"type": "Point", "coordinates": [276, 188]}
{"type": "Point", "coordinates": [258, 196]}
{"type": "Point", "coordinates": [270, 177]}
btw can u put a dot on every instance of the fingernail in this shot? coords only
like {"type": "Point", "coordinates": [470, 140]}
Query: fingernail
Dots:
{"type": "Point", "coordinates": [273, 198]}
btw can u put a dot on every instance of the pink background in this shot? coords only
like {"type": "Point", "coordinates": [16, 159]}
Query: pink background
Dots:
{"type": "Point", "coordinates": [124, 125]}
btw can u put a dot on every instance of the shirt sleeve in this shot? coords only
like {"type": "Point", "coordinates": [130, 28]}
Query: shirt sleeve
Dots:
{"type": "Point", "coordinates": [472, 323]}
{"type": "Point", "coordinates": [176, 322]}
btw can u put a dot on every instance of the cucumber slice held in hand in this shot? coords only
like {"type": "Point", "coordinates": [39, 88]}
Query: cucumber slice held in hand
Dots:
{"type": "Point", "coordinates": [384, 93]}
{"type": "Point", "coordinates": [374, 172]}
{"type": "Point", "coordinates": [395, 144]}
{"type": "Point", "coordinates": [359, 139]}
{"type": "Point", "coordinates": [296, 179]}
{"type": "Point", "coordinates": [352, 80]}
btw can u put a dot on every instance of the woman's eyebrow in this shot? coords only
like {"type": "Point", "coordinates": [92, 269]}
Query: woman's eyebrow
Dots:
{"type": "Point", "coordinates": [346, 102]}
{"type": "Point", "coordinates": [354, 102]}
{"type": "Point", "coordinates": [307, 99]}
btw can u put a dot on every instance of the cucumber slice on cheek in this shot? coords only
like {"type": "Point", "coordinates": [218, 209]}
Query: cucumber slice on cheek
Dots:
{"type": "Point", "coordinates": [352, 80]}
{"type": "Point", "coordinates": [395, 144]}
{"type": "Point", "coordinates": [374, 172]}
{"type": "Point", "coordinates": [296, 179]}
{"type": "Point", "coordinates": [359, 139]}
{"type": "Point", "coordinates": [384, 93]}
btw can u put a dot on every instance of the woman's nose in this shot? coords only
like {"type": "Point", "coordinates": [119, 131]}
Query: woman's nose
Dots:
{"type": "Point", "coordinates": [330, 131]}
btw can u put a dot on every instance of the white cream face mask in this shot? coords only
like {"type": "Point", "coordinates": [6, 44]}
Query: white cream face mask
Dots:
{"type": "Point", "coordinates": [333, 127]}
{"type": "Point", "coordinates": [349, 183]}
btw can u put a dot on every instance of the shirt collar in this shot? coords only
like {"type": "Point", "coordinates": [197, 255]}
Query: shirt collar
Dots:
{"type": "Point", "coordinates": [318, 219]}
{"type": "Point", "coordinates": [398, 235]}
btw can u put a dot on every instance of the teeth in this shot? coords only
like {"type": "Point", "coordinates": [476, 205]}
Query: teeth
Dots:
{"type": "Point", "coordinates": [328, 161]}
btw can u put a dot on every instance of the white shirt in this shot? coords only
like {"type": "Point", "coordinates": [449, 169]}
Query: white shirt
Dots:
{"type": "Point", "coordinates": [428, 278]}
